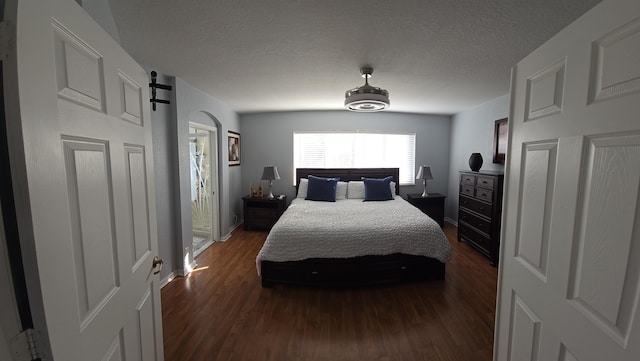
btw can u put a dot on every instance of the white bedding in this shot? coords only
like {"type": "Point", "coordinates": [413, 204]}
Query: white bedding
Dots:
{"type": "Point", "coordinates": [349, 228]}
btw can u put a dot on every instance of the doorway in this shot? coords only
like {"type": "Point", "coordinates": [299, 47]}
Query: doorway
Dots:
{"type": "Point", "coordinates": [204, 186]}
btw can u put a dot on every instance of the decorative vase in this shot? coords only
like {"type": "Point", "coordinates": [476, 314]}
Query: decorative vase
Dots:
{"type": "Point", "coordinates": [475, 161]}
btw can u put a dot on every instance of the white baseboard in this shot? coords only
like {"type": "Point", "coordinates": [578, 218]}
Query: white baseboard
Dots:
{"type": "Point", "coordinates": [165, 281]}
{"type": "Point", "coordinates": [228, 235]}
{"type": "Point", "coordinates": [449, 220]}
{"type": "Point", "coordinates": [183, 272]}
{"type": "Point", "coordinates": [205, 246]}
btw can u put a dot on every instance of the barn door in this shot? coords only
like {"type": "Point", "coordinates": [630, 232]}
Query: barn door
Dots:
{"type": "Point", "coordinates": [83, 174]}
{"type": "Point", "coordinates": [570, 263]}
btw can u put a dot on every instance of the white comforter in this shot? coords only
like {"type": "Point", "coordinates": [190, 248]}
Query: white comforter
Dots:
{"type": "Point", "coordinates": [349, 228]}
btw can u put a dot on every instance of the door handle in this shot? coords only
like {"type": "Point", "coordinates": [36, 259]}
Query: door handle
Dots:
{"type": "Point", "coordinates": [157, 261]}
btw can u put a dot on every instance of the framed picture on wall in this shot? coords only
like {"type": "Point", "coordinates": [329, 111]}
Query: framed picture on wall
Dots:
{"type": "Point", "coordinates": [234, 148]}
{"type": "Point", "coordinates": [500, 134]}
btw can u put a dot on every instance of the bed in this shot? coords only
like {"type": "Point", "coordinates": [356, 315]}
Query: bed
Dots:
{"type": "Point", "coordinates": [349, 242]}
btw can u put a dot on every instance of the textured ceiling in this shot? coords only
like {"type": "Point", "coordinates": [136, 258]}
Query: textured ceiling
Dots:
{"type": "Point", "coordinates": [433, 56]}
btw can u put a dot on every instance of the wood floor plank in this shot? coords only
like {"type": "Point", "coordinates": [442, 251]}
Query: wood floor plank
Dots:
{"type": "Point", "coordinates": [221, 312]}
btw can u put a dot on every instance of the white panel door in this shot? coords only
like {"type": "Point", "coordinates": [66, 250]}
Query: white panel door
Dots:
{"type": "Point", "coordinates": [82, 162]}
{"type": "Point", "coordinates": [569, 283]}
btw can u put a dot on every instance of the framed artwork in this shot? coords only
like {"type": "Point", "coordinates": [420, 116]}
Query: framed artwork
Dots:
{"type": "Point", "coordinates": [500, 134]}
{"type": "Point", "coordinates": [234, 148]}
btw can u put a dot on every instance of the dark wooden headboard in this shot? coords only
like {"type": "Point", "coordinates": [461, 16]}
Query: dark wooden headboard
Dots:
{"type": "Point", "coordinates": [349, 174]}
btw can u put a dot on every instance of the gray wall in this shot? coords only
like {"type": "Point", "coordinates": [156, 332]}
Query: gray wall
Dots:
{"type": "Point", "coordinates": [100, 11]}
{"type": "Point", "coordinates": [472, 132]}
{"type": "Point", "coordinates": [267, 138]}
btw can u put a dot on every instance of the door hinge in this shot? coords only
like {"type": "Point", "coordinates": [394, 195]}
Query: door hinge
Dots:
{"type": "Point", "coordinates": [25, 346]}
{"type": "Point", "coordinates": [7, 39]}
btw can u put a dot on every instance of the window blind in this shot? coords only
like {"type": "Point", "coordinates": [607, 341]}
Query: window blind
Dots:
{"type": "Point", "coordinates": [356, 150]}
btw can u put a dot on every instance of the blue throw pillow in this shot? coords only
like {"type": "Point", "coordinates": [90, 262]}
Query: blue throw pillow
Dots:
{"type": "Point", "coordinates": [377, 189]}
{"type": "Point", "coordinates": [321, 189]}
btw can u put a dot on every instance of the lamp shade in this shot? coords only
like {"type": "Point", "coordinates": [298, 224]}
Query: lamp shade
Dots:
{"type": "Point", "coordinates": [270, 173]}
{"type": "Point", "coordinates": [424, 173]}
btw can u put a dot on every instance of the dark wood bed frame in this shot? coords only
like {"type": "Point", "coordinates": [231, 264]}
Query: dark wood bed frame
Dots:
{"type": "Point", "coordinates": [356, 271]}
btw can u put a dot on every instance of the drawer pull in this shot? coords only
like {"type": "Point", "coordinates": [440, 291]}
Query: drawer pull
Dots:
{"type": "Point", "coordinates": [315, 273]}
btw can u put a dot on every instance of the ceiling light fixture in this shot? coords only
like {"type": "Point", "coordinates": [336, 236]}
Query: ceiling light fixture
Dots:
{"type": "Point", "coordinates": [366, 98]}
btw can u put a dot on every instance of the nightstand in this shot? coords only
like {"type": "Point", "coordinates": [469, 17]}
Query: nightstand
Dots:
{"type": "Point", "coordinates": [262, 213]}
{"type": "Point", "coordinates": [431, 205]}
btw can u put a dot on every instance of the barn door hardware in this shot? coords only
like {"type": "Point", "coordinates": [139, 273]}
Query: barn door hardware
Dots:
{"type": "Point", "coordinates": [153, 85]}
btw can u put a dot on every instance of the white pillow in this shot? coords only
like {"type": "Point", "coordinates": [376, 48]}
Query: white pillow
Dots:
{"type": "Point", "coordinates": [302, 188]}
{"type": "Point", "coordinates": [341, 190]}
{"type": "Point", "coordinates": [355, 190]}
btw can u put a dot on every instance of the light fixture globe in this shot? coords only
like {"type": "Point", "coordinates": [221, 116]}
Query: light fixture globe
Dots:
{"type": "Point", "coordinates": [366, 98]}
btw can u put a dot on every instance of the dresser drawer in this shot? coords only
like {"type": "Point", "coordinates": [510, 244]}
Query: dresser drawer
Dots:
{"type": "Point", "coordinates": [476, 206]}
{"type": "Point", "coordinates": [469, 234]}
{"type": "Point", "coordinates": [468, 179]}
{"type": "Point", "coordinates": [485, 182]}
{"type": "Point", "coordinates": [262, 223]}
{"type": "Point", "coordinates": [468, 190]}
{"type": "Point", "coordinates": [262, 213]}
{"type": "Point", "coordinates": [484, 194]}
{"type": "Point", "coordinates": [475, 221]}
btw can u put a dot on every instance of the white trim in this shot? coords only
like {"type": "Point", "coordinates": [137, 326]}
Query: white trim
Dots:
{"type": "Point", "coordinates": [452, 221]}
{"type": "Point", "coordinates": [215, 186]}
{"type": "Point", "coordinates": [204, 247]}
{"type": "Point", "coordinates": [187, 229]}
{"type": "Point", "coordinates": [184, 272]}
{"type": "Point", "coordinates": [180, 272]}
{"type": "Point", "coordinates": [228, 235]}
{"type": "Point", "coordinates": [165, 281]}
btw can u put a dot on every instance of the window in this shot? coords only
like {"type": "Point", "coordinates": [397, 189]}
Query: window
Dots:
{"type": "Point", "coordinates": [356, 150]}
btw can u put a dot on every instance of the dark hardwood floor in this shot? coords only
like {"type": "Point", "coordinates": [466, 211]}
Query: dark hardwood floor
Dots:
{"type": "Point", "coordinates": [221, 312]}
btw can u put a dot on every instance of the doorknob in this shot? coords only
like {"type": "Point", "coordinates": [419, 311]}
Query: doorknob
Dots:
{"type": "Point", "coordinates": [157, 261]}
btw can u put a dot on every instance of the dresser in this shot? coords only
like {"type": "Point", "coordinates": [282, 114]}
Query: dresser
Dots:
{"type": "Point", "coordinates": [480, 211]}
{"type": "Point", "coordinates": [431, 205]}
{"type": "Point", "coordinates": [262, 213]}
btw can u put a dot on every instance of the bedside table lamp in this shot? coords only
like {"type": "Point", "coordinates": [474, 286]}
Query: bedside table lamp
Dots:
{"type": "Point", "coordinates": [270, 173]}
{"type": "Point", "coordinates": [424, 173]}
